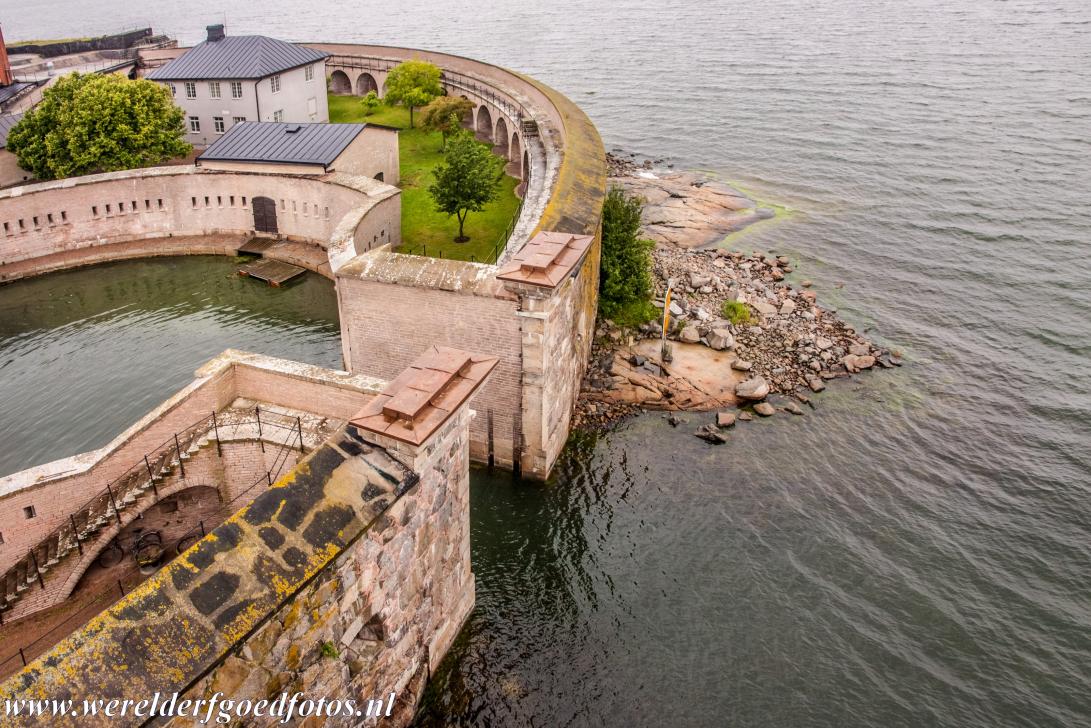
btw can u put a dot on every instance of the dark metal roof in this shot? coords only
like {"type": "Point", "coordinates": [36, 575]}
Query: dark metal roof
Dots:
{"type": "Point", "coordinates": [289, 143]}
{"type": "Point", "coordinates": [236, 56]}
{"type": "Point", "coordinates": [12, 90]}
{"type": "Point", "coordinates": [6, 122]}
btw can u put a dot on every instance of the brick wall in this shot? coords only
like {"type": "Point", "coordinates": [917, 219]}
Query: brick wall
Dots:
{"type": "Point", "coordinates": [384, 327]}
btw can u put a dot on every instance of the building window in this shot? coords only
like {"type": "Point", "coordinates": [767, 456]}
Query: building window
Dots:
{"type": "Point", "coordinates": [312, 108]}
{"type": "Point", "coordinates": [29, 511]}
{"type": "Point", "coordinates": [237, 120]}
{"type": "Point", "coordinates": [173, 89]}
{"type": "Point", "coordinates": [278, 115]}
{"type": "Point", "coordinates": [191, 90]}
{"type": "Point", "coordinates": [214, 89]}
{"type": "Point", "coordinates": [274, 83]}
{"type": "Point", "coordinates": [218, 124]}
{"type": "Point", "coordinates": [236, 89]}
{"type": "Point", "coordinates": [194, 125]}
{"type": "Point", "coordinates": [308, 73]}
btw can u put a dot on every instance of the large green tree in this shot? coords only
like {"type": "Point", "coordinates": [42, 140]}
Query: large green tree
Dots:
{"type": "Point", "coordinates": [625, 285]}
{"type": "Point", "coordinates": [467, 180]}
{"type": "Point", "coordinates": [413, 83]}
{"type": "Point", "coordinates": [445, 114]}
{"type": "Point", "coordinates": [89, 123]}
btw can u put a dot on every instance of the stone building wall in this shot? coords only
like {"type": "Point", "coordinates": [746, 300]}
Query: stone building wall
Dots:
{"type": "Point", "coordinates": [83, 213]}
{"type": "Point", "coordinates": [386, 325]}
{"type": "Point", "coordinates": [347, 580]}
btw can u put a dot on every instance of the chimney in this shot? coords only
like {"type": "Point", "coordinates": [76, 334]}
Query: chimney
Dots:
{"type": "Point", "coordinates": [215, 32]}
{"type": "Point", "coordinates": [6, 77]}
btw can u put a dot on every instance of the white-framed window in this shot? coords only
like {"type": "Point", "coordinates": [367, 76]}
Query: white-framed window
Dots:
{"type": "Point", "coordinates": [194, 125]}
{"type": "Point", "coordinates": [191, 90]}
{"type": "Point", "coordinates": [237, 120]}
{"type": "Point", "coordinates": [218, 124]}
{"type": "Point", "coordinates": [274, 83]}
{"type": "Point", "coordinates": [236, 89]}
{"type": "Point", "coordinates": [214, 89]}
{"type": "Point", "coordinates": [278, 115]}
{"type": "Point", "coordinates": [312, 108]}
{"type": "Point", "coordinates": [173, 89]}
{"type": "Point", "coordinates": [308, 73]}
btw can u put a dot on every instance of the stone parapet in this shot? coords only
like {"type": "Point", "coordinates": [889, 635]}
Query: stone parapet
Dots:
{"type": "Point", "coordinates": [346, 580]}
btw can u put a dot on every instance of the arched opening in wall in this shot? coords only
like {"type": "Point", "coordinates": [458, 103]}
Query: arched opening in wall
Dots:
{"type": "Point", "coordinates": [382, 90]}
{"type": "Point", "coordinates": [501, 138]}
{"type": "Point", "coordinates": [340, 84]}
{"type": "Point", "coordinates": [146, 544]}
{"type": "Point", "coordinates": [484, 124]}
{"type": "Point", "coordinates": [265, 215]}
{"type": "Point", "coordinates": [365, 83]}
{"type": "Point", "coordinates": [380, 177]}
{"type": "Point", "coordinates": [515, 154]}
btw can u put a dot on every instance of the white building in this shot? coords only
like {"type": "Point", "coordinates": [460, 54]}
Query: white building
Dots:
{"type": "Point", "coordinates": [228, 80]}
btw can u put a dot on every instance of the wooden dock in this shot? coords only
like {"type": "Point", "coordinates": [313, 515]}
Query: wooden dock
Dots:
{"type": "Point", "coordinates": [273, 272]}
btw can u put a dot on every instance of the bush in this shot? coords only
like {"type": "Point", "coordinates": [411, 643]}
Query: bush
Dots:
{"type": "Point", "coordinates": [625, 284]}
{"type": "Point", "coordinates": [90, 123]}
{"type": "Point", "coordinates": [736, 312]}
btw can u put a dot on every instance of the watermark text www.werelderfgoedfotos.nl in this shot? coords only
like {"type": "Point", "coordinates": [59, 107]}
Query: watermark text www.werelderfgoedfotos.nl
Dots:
{"type": "Point", "coordinates": [215, 709]}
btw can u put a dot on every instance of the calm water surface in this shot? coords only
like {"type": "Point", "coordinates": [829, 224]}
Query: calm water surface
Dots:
{"type": "Point", "coordinates": [917, 552]}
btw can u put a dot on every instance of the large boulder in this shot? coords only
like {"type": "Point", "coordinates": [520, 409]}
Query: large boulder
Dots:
{"type": "Point", "coordinates": [720, 339]}
{"type": "Point", "coordinates": [690, 335]}
{"type": "Point", "coordinates": [752, 389]}
{"type": "Point", "coordinates": [764, 409]}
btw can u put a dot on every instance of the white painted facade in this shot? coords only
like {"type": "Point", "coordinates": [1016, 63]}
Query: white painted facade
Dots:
{"type": "Point", "coordinates": [298, 94]}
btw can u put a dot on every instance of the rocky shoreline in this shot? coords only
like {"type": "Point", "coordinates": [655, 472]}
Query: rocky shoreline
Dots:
{"type": "Point", "coordinates": [740, 334]}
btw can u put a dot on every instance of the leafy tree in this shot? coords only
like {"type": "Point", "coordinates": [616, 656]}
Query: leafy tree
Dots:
{"type": "Point", "coordinates": [625, 286]}
{"type": "Point", "coordinates": [467, 180]}
{"type": "Point", "coordinates": [445, 114]}
{"type": "Point", "coordinates": [90, 123]}
{"type": "Point", "coordinates": [413, 83]}
{"type": "Point", "coordinates": [371, 103]}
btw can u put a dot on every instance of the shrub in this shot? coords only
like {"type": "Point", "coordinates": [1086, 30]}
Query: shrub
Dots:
{"type": "Point", "coordinates": [328, 649]}
{"type": "Point", "coordinates": [736, 312]}
{"type": "Point", "coordinates": [625, 284]}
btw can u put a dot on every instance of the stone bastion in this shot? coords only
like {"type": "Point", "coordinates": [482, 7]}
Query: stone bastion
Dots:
{"type": "Point", "coordinates": [392, 306]}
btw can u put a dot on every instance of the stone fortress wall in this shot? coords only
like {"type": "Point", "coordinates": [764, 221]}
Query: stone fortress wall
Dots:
{"type": "Point", "coordinates": [348, 579]}
{"type": "Point", "coordinates": [391, 305]}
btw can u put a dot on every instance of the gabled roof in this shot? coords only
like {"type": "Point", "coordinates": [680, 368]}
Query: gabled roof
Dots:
{"type": "Point", "coordinates": [287, 143]}
{"type": "Point", "coordinates": [6, 122]}
{"type": "Point", "coordinates": [236, 56]}
{"type": "Point", "coordinates": [546, 259]}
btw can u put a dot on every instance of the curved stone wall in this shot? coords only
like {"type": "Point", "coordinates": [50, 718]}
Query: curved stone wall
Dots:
{"type": "Point", "coordinates": [182, 209]}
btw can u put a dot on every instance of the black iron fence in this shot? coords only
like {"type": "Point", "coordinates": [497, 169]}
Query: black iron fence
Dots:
{"type": "Point", "coordinates": [133, 576]}
{"type": "Point", "coordinates": [86, 520]}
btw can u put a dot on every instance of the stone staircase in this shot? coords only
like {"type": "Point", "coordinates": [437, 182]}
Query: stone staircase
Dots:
{"type": "Point", "coordinates": [243, 421]}
{"type": "Point", "coordinates": [529, 128]}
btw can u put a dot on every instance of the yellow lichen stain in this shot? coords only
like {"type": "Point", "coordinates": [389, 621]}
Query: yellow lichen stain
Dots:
{"type": "Point", "coordinates": [293, 658]}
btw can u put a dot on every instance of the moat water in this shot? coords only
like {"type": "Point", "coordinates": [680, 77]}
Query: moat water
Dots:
{"type": "Point", "coordinates": [916, 552]}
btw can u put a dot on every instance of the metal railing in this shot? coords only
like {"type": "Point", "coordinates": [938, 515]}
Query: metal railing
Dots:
{"type": "Point", "coordinates": [106, 505]}
{"type": "Point", "coordinates": [134, 576]}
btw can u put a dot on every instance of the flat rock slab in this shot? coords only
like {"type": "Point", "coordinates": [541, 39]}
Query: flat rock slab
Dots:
{"type": "Point", "coordinates": [690, 210]}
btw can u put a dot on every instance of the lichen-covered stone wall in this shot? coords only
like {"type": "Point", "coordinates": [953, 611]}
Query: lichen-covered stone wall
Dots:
{"type": "Point", "coordinates": [348, 579]}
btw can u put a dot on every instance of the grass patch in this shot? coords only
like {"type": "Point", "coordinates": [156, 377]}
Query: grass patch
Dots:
{"type": "Point", "coordinates": [424, 229]}
{"type": "Point", "coordinates": [736, 312]}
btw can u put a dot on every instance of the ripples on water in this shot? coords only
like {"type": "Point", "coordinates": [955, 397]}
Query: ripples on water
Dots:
{"type": "Point", "coordinates": [917, 551]}
{"type": "Point", "coordinates": [86, 353]}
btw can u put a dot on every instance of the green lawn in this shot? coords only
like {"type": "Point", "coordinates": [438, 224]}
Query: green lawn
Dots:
{"type": "Point", "coordinates": [424, 230]}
